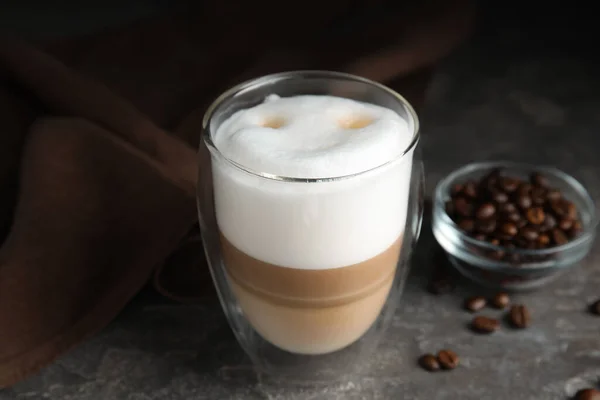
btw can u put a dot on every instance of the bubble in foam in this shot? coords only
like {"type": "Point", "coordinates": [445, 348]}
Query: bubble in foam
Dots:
{"type": "Point", "coordinates": [313, 136]}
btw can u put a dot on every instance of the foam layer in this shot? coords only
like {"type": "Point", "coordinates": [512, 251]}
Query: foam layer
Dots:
{"type": "Point", "coordinates": [313, 136]}
{"type": "Point", "coordinates": [312, 225]}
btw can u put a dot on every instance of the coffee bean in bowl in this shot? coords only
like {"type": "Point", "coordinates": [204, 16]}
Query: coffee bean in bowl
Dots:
{"type": "Point", "coordinates": [513, 226]}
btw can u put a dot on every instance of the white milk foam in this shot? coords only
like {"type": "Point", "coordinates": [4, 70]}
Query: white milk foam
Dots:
{"type": "Point", "coordinates": [312, 141]}
{"type": "Point", "coordinates": [316, 225]}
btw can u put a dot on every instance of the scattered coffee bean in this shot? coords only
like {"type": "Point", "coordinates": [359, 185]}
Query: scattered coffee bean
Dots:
{"type": "Point", "coordinates": [429, 362]}
{"type": "Point", "coordinates": [483, 324]}
{"type": "Point", "coordinates": [595, 308]}
{"type": "Point", "coordinates": [517, 213]}
{"type": "Point", "coordinates": [519, 316]}
{"type": "Point", "coordinates": [588, 394]}
{"type": "Point", "coordinates": [501, 300]}
{"type": "Point", "coordinates": [475, 303]}
{"type": "Point", "coordinates": [447, 359]}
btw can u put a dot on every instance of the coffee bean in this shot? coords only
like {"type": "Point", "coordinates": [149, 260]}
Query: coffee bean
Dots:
{"type": "Point", "coordinates": [509, 229]}
{"type": "Point", "coordinates": [549, 222]}
{"type": "Point", "coordinates": [496, 255]}
{"type": "Point", "coordinates": [519, 316]}
{"type": "Point", "coordinates": [470, 190]}
{"type": "Point", "coordinates": [535, 215]}
{"type": "Point", "coordinates": [565, 224]}
{"type": "Point", "coordinates": [539, 180]}
{"type": "Point", "coordinates": [559, 237]}
{"type": "Point", "coordinates": [429, 362]}
{"type": "Point", "coordinates": [462, 207]}
{"type": "Point", "coordinates": [447, 359]}
{"type": "Point", "coordinates": [529, 233]}
{"type": "Point", "coordinates": [483, 324]}
{"type": "Point", "coordinates": [456, 189]}
{"type": "Point", "coordinates": [475, 303]}
{"type": "Point", "coordinates": [587, 394]}
{"type": "Point", "coordinates": [538, 196]}
{"type": "Point", "coordinates": [480, 236]}
{"type": "Point", "coordinates": [595, 308]}
{"type": "Point", "coordinates": [575, 229]}
{"type": "Point", "coordinates": [508, 208]}
{"type": "Point", "coordinates": [559, 208]}
{"type": "Point", "coordinates": [553, 194]}
{"type": "Point", "coordinates": [571, 209]}
{"type": "Point", "coordinates": [509, 184]}
{"type": "Point", "coordinates": [486, 226]}
{"type": "Point", "coordinates": [524, 189]}
{"type": "Point", "coordinates": [543, 240]}
{"type": "Point", "coordinates": [524, 202]}
{"type": "Point", "coordinates": [501, 300]}
{"type": "Point", "coordinates": [514, 217]}
{"type": "Point", "coordinates": [467, 225]}
{"type": "Point", "coordinates": [499, 197]}
{"type": "Point", "coordinates": [505, 240]}
{"type": "Point", "coordinates": [485, 211]}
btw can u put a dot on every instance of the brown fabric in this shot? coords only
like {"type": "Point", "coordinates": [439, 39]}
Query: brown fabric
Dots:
{"type": "Point", "coordinates": [98, 184]}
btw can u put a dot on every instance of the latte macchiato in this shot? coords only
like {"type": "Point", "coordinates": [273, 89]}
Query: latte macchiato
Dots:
{"type": "Point", "coordinates": [311, 263]}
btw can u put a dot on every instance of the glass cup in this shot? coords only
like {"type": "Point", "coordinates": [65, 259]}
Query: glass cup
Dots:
{"type": "Point", "coordinates": [309, 272]}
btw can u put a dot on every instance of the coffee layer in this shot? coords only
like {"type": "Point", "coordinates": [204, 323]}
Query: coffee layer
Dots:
{"type": "Point", "coordinates": [311, 311]}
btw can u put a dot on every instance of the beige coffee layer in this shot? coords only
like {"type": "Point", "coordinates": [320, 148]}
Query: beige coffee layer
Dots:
{"type": "Point", "coordinates": [308, 287]}
{"type": "Point", "coordinates": [311, 311]}
{"type": "Point", "coordinates": [312, 331]}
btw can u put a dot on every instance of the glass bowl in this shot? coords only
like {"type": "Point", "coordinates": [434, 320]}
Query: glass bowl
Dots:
{"type": "Point", "coordinates": [503, 265]}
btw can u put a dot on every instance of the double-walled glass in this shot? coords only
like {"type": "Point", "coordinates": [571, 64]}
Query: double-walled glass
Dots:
{"type": "Point", "coordinates": [309, 271]}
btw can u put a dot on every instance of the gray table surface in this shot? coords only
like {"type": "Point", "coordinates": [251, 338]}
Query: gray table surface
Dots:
{"type": "Point", "coordinates": [502, 96]}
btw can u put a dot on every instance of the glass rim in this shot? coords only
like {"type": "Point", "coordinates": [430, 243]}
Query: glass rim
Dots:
{"type": "Point", "coordinates": [304, 74]}
{"type": "Point", "coordinates": [443, 188]}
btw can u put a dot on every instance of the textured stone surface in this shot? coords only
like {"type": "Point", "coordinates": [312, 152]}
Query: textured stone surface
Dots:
{"type": "Point", "coordinates": [501, 97]}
